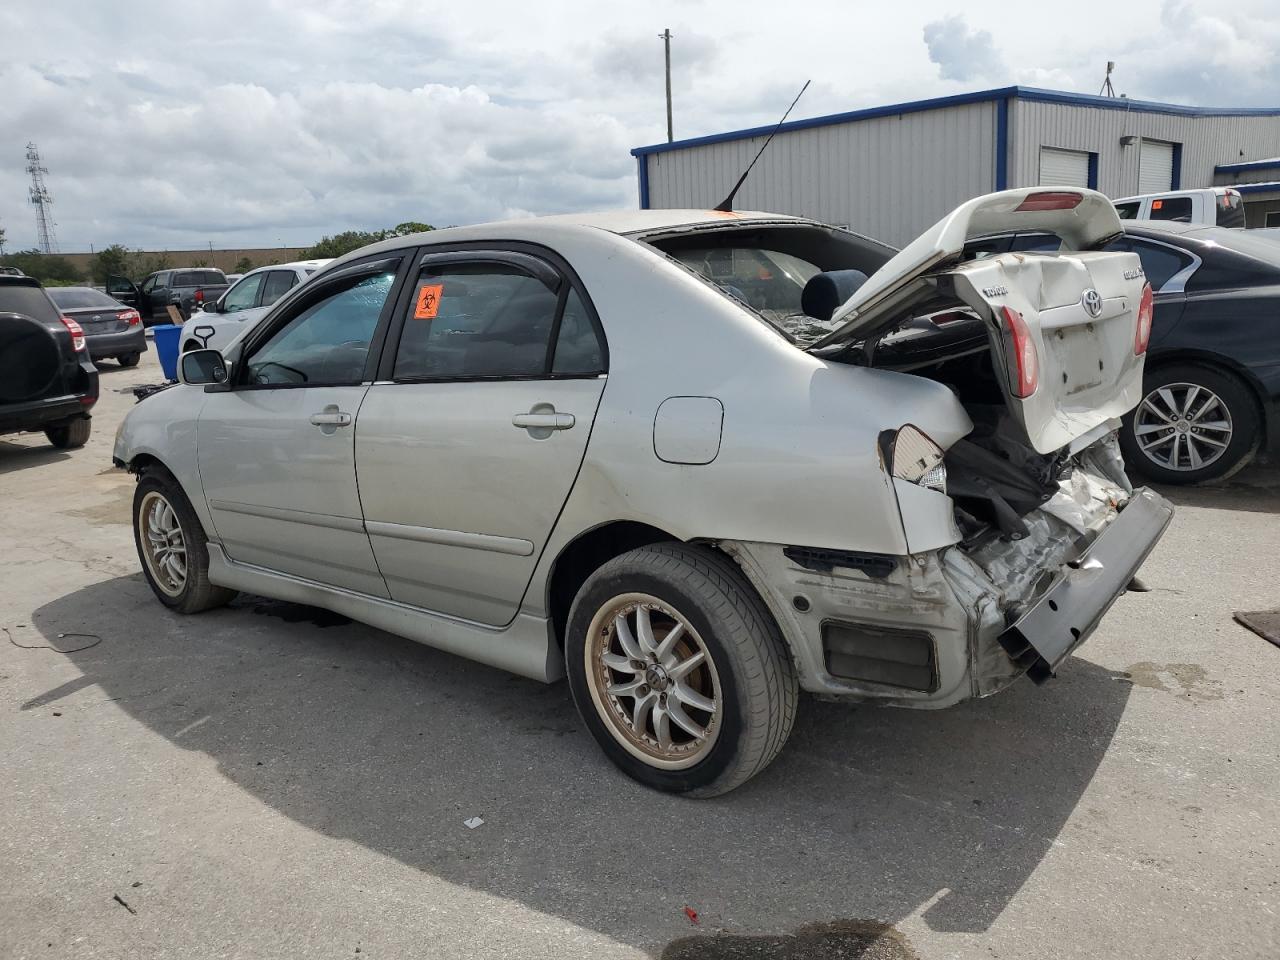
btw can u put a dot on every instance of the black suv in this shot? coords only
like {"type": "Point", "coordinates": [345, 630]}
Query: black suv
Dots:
{"type": "Point", "coordinates": [47, 381]}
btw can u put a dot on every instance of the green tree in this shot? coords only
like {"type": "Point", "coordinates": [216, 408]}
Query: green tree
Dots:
{"type": "Point", "coordinates": [243, 265]}
{"type": "Point", "coordinates": [47, 268]}
{"type": "Point", "coordinates": [408, 227]}
{"type": "Point", "coordinates": [115, 260]}
{"type": "Point", "coordinates": [349, 240]}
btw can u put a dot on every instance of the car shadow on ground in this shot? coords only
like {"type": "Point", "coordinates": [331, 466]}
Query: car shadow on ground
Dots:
{"type": "Point", "coordinates": [869, 814]}
{"type": "Point", "coordinates": [1256, 489]}
{"type": "Point", "coordinates": [17, 456]}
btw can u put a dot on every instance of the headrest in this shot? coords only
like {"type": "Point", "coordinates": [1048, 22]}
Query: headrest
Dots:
{"type": "Point", "coordinates": [825, 292]}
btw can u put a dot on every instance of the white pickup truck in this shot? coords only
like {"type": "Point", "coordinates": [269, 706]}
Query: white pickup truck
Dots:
{"type": "Point", "coordinates": [1213, 206]}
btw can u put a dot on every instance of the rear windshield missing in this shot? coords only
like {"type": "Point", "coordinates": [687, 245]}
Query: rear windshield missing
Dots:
{"type": "Point", "coordinates": [767, 268]}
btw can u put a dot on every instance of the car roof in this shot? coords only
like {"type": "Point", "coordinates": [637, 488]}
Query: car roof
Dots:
{"type": "Point", "coordinates": [1217, 191]}
{"type": "Point", "coordinates": [19, 281]}
{"type": "Point", "coordinates": [292, 265]}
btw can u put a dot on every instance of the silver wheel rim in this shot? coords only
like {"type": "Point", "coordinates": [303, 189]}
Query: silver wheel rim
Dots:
{"type": "Point", "coordinates": [1182, 426]}
{"type": "Point", "coordinates": [653, 681]}
{"type": "Point", "coordinates": [163, 546]}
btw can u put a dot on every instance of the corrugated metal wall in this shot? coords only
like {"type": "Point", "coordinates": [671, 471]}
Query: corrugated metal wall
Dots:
{"type": "Point", "coordinates": [1206, 141]}
{"type": "Point", "coordinates": [887, 177]}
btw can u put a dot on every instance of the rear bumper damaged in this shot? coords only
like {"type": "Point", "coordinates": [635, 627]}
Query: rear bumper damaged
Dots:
{"type": "Point", "coordinates": [961, 622]}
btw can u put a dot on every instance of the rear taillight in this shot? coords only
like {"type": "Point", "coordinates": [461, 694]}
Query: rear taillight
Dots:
{"type": "Point", "coordinates": [1146, 310]}
{"type": "Point", "coordinates": [130, 317]}
{"type": "Point", "coordinates": [77, 333]}
{"type": "Point", "coordinates": [199, 296]}
{"type": "Point", "coordinates": [1024, 362]}
{"type": "Point", "coordinates": [914, 457]}
{"type": "Point", "coordinates": [1050, 200]}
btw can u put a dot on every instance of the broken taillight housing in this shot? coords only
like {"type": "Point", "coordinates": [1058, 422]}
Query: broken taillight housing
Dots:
{"type": "Point", "coordinates": [77, 334]}
{"type": "Point", "coordinates": [1021, 357]}
{"type": "Point", "coordinates": [913, 457]}
{"type": "Point", "coordinates": [1146, 312]}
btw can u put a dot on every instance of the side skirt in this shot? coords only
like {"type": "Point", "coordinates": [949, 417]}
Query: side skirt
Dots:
{"type": "Point", "coordinates": [524, 647]}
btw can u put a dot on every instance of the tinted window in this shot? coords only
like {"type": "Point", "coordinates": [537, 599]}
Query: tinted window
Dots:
{"type": "Point", "coordinates": [1128, 211]}
{"type": "Point", "coordinates": [578, 350]}
{"type": "Point", "coordinates": [211, 278]}
{"type": "Point", "coordinates": [243, 295]}
{"type": "Point", "coordinates": [78, 298]}
{"type": "Point", "coordinates": [185, 279]}
{"type": "Point", "coordinates": [277, 285]}
{"type": "Point", "coordinates": [328, 341]}
{"type": "Point", "coordinates": [1171, 208]}
{"type": "Point", "coordinates": [28, 300]}
{"type": "Point", "coordinates": [1230, 211]}
{"type": "Point", "coordinates": [152, 282]}
{"type": "Point", "coordinates": [1158, 263]}
{"type": "Point", "coordinates": [469, 320]}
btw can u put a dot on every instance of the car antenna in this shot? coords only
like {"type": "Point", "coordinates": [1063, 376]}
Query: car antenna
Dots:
{"type": "Point", "coordinates": [726, 205]}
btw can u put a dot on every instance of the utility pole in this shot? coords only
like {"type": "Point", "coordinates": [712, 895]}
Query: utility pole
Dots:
{"type": "Point", "coordinates": [665, 37]}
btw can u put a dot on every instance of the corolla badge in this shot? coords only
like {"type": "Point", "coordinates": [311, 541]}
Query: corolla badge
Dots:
{"type": "Point", "coordinates": [1091, 300]}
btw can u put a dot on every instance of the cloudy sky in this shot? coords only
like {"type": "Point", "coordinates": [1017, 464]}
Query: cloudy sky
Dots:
{"type": "Point", "coordinates": [257, 122]}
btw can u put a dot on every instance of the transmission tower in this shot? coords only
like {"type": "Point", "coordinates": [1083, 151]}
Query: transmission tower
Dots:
{"type": "Point", "coordinates": [42, 200]}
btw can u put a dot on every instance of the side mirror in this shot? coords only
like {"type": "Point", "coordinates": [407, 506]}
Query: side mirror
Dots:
{"type": "Point", "coordinates": [203, 367]}
{"type": "Point", "coordinates": [210, 306]}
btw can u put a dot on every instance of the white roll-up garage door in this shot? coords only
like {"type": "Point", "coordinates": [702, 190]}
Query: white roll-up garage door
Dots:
{"type": "Point", "coordinates": [1155, 167]}
{"type": "Point", "coordinates": [1063, 168]}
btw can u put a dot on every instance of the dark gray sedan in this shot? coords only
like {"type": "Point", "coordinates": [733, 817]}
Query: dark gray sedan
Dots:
{"type": "Point", "coordinates": [113, 329]}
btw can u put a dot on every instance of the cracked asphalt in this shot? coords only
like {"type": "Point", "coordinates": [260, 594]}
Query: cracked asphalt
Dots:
{"type": "Point", "coordinates": [264, 781]}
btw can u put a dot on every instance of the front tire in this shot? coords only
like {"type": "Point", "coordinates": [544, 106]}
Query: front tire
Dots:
{"type": "Point", "coordinates": [70, 435]}
{"type": "Point", "coordinates": [1195, 423]}
{"type": "Point", "coordinates": [172, 546]}
{"type": "Point", "coordinates": [679, 670]}
{"type": "Point", "coordinates": [129, 359]}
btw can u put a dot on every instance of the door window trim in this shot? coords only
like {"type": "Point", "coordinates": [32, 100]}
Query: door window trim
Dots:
{"type": "Point", "coordinates": [515, 253]}
{"type": "Point", "coordinates": [290, 306]}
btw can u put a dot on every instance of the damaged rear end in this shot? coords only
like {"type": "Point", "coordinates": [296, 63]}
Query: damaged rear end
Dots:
{"type": "Point", "coordinates": [1043, 530]}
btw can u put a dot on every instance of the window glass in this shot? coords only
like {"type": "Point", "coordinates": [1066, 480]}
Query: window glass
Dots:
{"type": "Point", "coordinates": [577, 347]}
{"type": "Point", "coordinates": [243, 295]}
{"type": "Point", "coordinates": [210, 278]}
{"type": "Point", "coordinates": [277, 285]}
{"type": "Point", "coordinates": [1158, 263]}
{"type": "Point", "coordinates": [150, 283]}
{"type": "Point", "coordinates": [1171, 208]}
{"type": "Point", "coordinates": [469, 320]}
{"type": "Point", "coordinates": [328, 342]}
{"type": "Point", "coordinates": [81, 298]}
{"type": "Point", "coordinates": [1230, 210]}
{"type": "Point", "coordinates": [1128, 211]}
{"type": "Point", "coordinates": [185, 279]}
{"type": "Point", "coordinates": [28, 300]}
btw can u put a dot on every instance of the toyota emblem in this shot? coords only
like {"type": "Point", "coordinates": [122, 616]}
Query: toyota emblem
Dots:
{"type": "Point", "coordinates": [1092, 301]}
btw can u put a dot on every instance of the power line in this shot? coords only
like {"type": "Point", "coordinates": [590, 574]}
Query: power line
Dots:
{"type": "Point", "coordinates": [43, 200]}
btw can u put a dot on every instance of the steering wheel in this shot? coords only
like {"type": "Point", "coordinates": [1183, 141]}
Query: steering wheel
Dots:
{"type": "Point", "coordinates": [258, 375]}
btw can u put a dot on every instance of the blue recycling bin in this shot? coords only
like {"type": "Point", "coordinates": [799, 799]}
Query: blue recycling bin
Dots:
{"type": "Point", "coordinates": [166, 340]}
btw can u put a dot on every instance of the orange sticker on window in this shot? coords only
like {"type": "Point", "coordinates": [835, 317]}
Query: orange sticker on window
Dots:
{"type": "Point", "coordinates": [428, 301]}
{"type": "Point", "coordinates": [1157, 204]}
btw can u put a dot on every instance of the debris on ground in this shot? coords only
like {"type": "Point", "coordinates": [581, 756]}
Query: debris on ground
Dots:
{"type": "Point", "coordinates": [472, 822]}
{"type": "Point", "coordinates": [1265, 623]}
{"type": "Point", "coordinates": [120, 900]}
{"type": "Point", "coordinates": [692, 914]}
{"type": "Point", "coordinates": [47, 646]}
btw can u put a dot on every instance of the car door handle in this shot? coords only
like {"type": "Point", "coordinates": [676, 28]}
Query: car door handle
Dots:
{"type": "Point", "coordinates": [543, 421]}
{"type": "Point", "coordinates": [331, 418]}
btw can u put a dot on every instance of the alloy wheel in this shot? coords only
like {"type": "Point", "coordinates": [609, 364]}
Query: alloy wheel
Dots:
{"type": "Point", "coordinates": [1182, 426]}
{"type": "Point", "coordinates": [163, 545]}
{"type": "Point", "coordinates": [653, 681]}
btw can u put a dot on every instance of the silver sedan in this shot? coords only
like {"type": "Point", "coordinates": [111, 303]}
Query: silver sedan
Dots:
{"type": "Point", "coordinates": [696, 462]}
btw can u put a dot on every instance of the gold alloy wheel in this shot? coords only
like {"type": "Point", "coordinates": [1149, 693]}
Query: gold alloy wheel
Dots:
{"type": "Point", "coordinates": [163, 546]}
{"type": "Point", "coordinates": [653, 681]}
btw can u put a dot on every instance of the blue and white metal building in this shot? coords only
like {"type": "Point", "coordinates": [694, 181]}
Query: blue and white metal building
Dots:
{"type": "Point", "coordinates": [890, 172]}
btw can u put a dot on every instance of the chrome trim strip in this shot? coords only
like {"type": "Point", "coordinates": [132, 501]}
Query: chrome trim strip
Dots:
{"type": "Point", "coordinates": [450, 538]}
{"type": "Point", "coordinates": [349, 524]}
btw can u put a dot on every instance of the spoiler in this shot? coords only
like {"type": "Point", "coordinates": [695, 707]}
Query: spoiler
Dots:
{"type": "Point", "coordinates": [1084, 219]}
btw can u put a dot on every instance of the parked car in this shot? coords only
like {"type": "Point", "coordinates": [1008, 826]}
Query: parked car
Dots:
{"type": "Point", "coordinates": [188, 290]}
{"type": "Point", "coordinates": [242, 306]}
{"type": "Point", "coordinates": [1213, 206]}
{"type": "Point", "coordinates": [233, 277]}
{"type": "Point", "coordinates": [48, 383]}
{"type": "Point", "coordinates": [11, 272]}
{"type": "Point", "coordinates": [696, 462]}
{"type": "Point", "coordinates": [113, 329]}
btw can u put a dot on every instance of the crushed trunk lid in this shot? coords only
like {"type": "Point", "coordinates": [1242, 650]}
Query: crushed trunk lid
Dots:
{"type": "Point", "coordinates": [1078, 310]}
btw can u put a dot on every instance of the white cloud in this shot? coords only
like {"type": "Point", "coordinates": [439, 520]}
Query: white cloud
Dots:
{"type": "Point", "coordinates": [960, 52]}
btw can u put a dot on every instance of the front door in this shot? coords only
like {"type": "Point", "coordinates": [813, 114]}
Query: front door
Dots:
{"type": "Point", "coordinates": [470, 442]}
{"type": "Point", "coordinates": [277, 453]}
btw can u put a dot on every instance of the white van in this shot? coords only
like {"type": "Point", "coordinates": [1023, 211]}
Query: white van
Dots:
{"type": "Point", "coordinates": [1215, 206]}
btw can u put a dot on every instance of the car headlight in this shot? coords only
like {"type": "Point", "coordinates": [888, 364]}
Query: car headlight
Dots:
{"type": "Point", "coordinates": [910, 455]}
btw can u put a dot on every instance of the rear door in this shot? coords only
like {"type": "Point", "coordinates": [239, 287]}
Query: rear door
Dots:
{"type": "Point", "coordinates": [470, 441]}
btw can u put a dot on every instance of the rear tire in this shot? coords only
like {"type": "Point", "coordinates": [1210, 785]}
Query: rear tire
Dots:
{"type": "Point", "coordinates": [714, 706]}
{"type": "Point", "coordinates": [1213, 439]}
{"type": "Point", "coordinates": [172, 546]}
{"type": "Point", "coordinates": [70, 435]}
{"type": "Point", "coordinates": [129, 359]}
